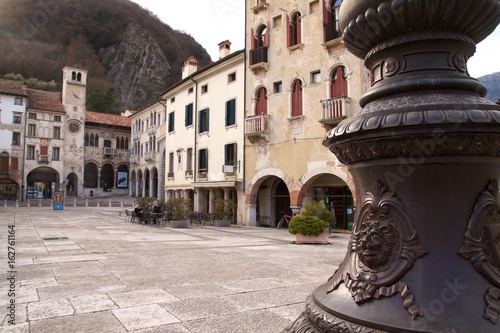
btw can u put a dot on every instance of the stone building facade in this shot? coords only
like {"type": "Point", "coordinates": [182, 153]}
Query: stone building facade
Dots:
{"type": "Point", "coordinates": [301, 82]}
{"type": "Point", "coordinates": [47, 149]}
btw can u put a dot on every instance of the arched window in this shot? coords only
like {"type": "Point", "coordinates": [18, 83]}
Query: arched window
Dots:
{"type": "Point", "coordinates": [297, 98]}
{"type": "Point", "coordinates": [117, 144]}
{"type": "Point", "coordinates": [79, 77]}
{"type": "Point", "coordinates": [73, 76]}
{"type": "Point", "coordinates": [91, 140]}
{"type": "Point", "coordinates": [294, 29]}
{"type": "Point", "coordinates": [331, 27]}
{"type": "Point", "coordinates": [126, 143]}
{"type": "Point", "coordinates": [338, 86]}
{"type": "Point", "coordinates": [86, 139]}
{"type": "Point", "coordinates": [96, 140]}
{"type": "Point", "coordinates": [261, 101]}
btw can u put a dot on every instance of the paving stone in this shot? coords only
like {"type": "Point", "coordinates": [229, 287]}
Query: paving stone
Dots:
{"type": "Point", "coordinates": [136, 297]}
{"type": "Point", "coordinates": [139, 317]}
{"type": "Point", "coordinates": [49, 309]}
{"type": "Point", "coordinates": [92, 303]}
{"type": "Point", "coordinates": [83, 323]}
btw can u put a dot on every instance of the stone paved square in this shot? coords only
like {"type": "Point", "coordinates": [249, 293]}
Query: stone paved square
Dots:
{"type": "Point", "coordinates": [105, 274]}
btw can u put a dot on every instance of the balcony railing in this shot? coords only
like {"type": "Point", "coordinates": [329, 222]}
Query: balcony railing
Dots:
{"type": "Point", "coordinates": [109, 151]}
{"type": "Point", "coordinates": [330, 31]}
{"type": "Point", "coordinates": [135, 159]}
{"type": "Point", "coordinates": [43, 159]}
{"type": "Point", "coordinates": [150, 156]}
{"type": "Point", "coordinates": [258, 55]}
{"type": "Point", "coordinates": [256, 125]}
{"type": "Point", "coordinates": [334, 109]}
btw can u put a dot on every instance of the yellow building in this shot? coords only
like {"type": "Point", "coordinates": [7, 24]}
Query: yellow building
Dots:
{"type": "Point", "coordinates": [301, 82]}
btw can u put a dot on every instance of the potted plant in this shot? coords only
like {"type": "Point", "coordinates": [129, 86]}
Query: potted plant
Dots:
{"type": "Point", "coordinates": [180, 210]}
{"type": "Point", "coordinates": [223, 212]}
{"type": "Point", "coordinates": [312, 226]}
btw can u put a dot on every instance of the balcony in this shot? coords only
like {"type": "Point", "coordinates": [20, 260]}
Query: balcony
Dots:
{"type": "Point", "coordinates": [258, 58]}
{"type": "Point", "coordinates": [229, 170]}
{"type": "Point", "coordinates": [109, 151]}
{"type": "Point", "coordinates": [257, 125]}
{"type": "Point", "coordinates": [136, 136]}
{"type": "Point", "coordinates": [203, 173]}
{"type": "Point", "coordinates": [152, 130]}
{"type": "Point", "coordinates": [334, 110]}
{"type": "Point", "coordinates": [43, 159]}
{"type": "Point", "coordinates": [150, 156]}
{"type": "Point", "coordinates": [189, 173]}
{"type": "Point", "coordinates": [332, 36]}
{"type": "Point", "coordinates": [261, 5]}
{"type": "Point", "coordinates": [135, 159]}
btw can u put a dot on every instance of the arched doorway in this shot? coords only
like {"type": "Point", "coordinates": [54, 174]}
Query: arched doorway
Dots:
{"type": "Point", "coordinates": [273, 200]}
{"type": "Point", "coordinates": [90, 175]}
{"type": "Point", "coordinates": [334, 194]}
{"type": "Point", "coordinates": [72, 185]}
{"type": "Point", "coordinates": [139, 183]}
{"type": "Point", "coordinates": [154, 188]}
{"type": "Point", "coordinates": [147, 177]}
{"type": "Point", "coordinates": [41, 183]}
{"type": "Point", "coordinates": [107, 177]}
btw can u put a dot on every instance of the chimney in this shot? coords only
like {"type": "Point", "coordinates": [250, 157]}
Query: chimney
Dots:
{"type": "Point", "coordinates": [190, 66]}
{"type": "Point", "coordinates": [224, 49]}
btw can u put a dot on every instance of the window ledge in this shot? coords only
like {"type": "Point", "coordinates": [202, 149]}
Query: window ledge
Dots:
{"type": "Point", "coordinates": [260, 65]}
{"type": "Point", "coordinates": [259, 7]}
{"type": "Point", "coordinates": [333, 42]}
{"type": "Point", "coordinates": [296, 47]}
{"type": "Point", "coordinates": [231, 126]}
{"type": "Point", "coordinates": [296, 118]}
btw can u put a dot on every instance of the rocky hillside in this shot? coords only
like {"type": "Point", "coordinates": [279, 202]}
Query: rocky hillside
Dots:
{"type": "Point", "coordinates": [492, 83]}
{"type": "Point", "coordinates": [130, 54]}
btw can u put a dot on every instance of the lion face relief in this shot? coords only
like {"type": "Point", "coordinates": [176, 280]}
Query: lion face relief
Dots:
{"type": "Point", "coordinates": [378, 243]}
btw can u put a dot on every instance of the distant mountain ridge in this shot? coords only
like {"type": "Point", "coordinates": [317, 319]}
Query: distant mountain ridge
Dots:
{"type": "Point", "coordinates": [492, 83]}
{"type": "Point", "coordinates": [130, 54]}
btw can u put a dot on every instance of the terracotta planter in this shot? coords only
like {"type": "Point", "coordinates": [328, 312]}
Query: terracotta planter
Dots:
{"type": "Point", "coordinates": [322, 238]}
{"type": "Point", "coordinates": [179, 224]}
{"type": "Point", "coordinates": [222, 223]}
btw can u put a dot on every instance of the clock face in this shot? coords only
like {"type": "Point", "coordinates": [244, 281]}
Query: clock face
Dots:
{"type": "Point", "coordinates": [74, 127]}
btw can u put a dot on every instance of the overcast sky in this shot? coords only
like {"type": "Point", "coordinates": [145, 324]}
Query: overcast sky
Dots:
{"type": "Point", "coordinates": [213, 21]}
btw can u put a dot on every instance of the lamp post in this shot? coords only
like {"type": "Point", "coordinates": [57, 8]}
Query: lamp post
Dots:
{"type": "Point", "coordinates": [424, 151]}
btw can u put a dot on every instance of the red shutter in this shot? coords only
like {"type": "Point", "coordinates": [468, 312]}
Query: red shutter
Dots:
{"type": "Point", "coordinates": [266, 36]}
{"type": "Point", "coordinates": [339, 86]}
{"type": "Point", "coordinates": [261, 104]}
{"type": "Point", "coordinates": [299, 28]}
{"type": "Point", "coordinates": [297, 99]}
{"type": "Point", "coordinates": [253, 39]}
{"type": "Point", "coordinates": [288, 32]}
{"type": "Point", "coordinates": [326, 13]}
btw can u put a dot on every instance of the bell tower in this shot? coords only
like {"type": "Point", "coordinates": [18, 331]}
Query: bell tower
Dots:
{"type": "Point", "coordinates": [74, 94]}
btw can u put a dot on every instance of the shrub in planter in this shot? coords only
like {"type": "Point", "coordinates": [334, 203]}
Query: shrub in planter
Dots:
{"type": "Point", "coordinates": [307, 225]}
{"type": "Point", "coordinates": [180, 209]}
{"type": "Point", "coordinates": [146, 203]}
{"type": "Point", "coordinates": [223, 212]}
{"type": "Point", "coordinates": [315, 209]}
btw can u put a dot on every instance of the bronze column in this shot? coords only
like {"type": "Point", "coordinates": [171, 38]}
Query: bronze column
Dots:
{"type": "Point", "coordinates": [424, 151]}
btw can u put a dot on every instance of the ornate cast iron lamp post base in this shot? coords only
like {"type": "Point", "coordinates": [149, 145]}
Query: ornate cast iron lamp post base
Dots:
{"type": "Point", "coordinates": [424, 152]}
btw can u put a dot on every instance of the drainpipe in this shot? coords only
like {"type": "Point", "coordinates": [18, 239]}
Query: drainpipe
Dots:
{"type": "Point", "coordinates": [195, 110]}
{"type": "Point", "coordinates": [23, 183]}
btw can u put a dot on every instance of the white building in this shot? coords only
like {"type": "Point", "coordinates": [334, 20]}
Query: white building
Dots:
{"type": "Point", "coordinates": [202, 121]}
{"type": "Point", "coordinates": [13, 101]}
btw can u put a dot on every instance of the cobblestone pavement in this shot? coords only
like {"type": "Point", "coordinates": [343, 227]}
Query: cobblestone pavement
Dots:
{"type": "Point", "coordinates": [86, 269]}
